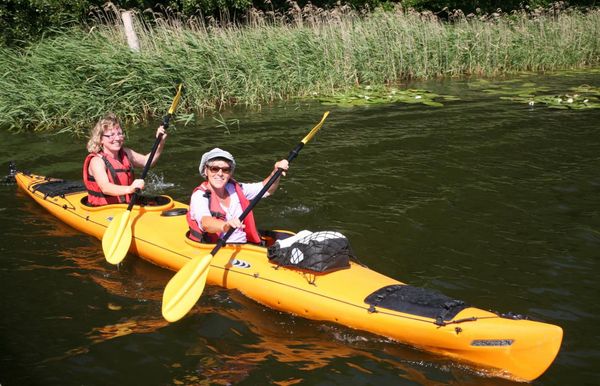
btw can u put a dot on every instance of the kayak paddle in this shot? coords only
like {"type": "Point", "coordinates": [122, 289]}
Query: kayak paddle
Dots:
{"type": "Point", "coordinates": [117, 237]}
{"type": "Point", "coordinates": [184, 289]}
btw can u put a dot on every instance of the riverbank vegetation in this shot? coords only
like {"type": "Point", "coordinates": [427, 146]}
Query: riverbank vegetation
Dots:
{"type": "Point", "coordinates": [66, 81]}
{"type": "Point", "coordinates": [28, 20]}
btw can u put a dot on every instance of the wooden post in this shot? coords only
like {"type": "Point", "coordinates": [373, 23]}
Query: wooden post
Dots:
{"type": "Point", "coordinates": [132, 39]}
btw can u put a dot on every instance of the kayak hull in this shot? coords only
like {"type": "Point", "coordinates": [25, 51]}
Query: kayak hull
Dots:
{"type": "Point", "coordinates": [511, 348]}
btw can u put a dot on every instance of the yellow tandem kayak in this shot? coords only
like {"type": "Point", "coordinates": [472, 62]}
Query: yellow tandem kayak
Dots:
{"type": "Point", "coordinates": [357, 297]}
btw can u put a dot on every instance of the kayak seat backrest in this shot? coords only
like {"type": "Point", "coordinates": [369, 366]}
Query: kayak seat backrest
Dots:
{"type": "Point", "coordinates": [416, 301]}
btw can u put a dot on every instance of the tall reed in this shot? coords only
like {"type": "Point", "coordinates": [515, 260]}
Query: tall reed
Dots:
{"type": "Point", "coordinates": [66, 82]}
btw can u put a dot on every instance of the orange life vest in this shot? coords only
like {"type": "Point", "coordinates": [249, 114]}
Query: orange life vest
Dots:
{"type": "Point", "coordinates": [119, 171]}
{"type": "Point", "coordinates": [216, 211]}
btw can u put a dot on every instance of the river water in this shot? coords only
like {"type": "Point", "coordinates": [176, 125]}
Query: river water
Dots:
{"type": "Point", "coordinates": [485, 200]}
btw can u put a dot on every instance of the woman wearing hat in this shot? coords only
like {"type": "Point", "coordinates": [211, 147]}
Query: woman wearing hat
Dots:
{"type": "Point", "coordinates": [218, 202]}
{"type": "Point", "coordinates": [108, 168]}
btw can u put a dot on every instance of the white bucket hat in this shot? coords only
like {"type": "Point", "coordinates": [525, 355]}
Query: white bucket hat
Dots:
{"type": "Point", "coordinates": [215, 153]}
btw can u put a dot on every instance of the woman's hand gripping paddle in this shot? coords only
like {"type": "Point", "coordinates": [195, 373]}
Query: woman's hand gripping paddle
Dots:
{"type": "Point", "coordinates": [117, 237]}
{"type": "Point", "coordinates": [184, 289]}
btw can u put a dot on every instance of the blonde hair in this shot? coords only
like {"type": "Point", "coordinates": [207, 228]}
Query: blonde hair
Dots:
{"type": "Point", "coordinates": [109, 121]}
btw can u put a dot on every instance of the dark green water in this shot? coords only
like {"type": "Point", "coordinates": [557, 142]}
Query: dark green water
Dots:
{"type": "Point", "coordinates": [484, 200]}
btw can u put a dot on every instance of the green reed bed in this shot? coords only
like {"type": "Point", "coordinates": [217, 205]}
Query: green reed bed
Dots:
{"type": "Point", "coordinates": [67, 82]}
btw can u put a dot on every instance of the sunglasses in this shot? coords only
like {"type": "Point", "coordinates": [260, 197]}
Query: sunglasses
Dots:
{"type": "Point", "coordinates": [114, 135]}
{"type": "Point", "coordinates": [215, 169]}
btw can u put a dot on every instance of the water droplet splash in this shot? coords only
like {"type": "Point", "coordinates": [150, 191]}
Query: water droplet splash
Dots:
{"type": "Point", "coordinates": [156, 184]}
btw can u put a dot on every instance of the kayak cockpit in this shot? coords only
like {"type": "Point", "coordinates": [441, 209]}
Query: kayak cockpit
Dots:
{"type": "Point", "coordinates": [149, 203]}
{"type": "Point", "coordinates": [268, 238]}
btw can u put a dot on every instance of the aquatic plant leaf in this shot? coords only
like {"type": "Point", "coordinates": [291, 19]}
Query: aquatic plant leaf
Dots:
{"type": "Point", "coordinates": [450, 98]}
{"type": "Point", "coordinates": [432, 103]}
{"type": "Point", "coordinates": [515, 99]}
{"type": "Point", "coordinates": [368, 95]}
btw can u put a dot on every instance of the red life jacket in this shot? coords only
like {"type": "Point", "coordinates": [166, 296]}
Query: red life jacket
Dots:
{"type": "Point", "coordinates": [119, 171]}
{"type": "Point", "coordinates": [216, 211]}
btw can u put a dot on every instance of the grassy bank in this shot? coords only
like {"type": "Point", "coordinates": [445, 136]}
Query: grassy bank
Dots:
{"type": "Point", "coordinates": [66, 82]}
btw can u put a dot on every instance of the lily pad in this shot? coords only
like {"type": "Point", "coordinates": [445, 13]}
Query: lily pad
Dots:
{"type": "Point", "coordinates": [572, 101]}
{"type": "Point", "coordinates": [577, 98]}
{"type": "Point", "coordinates": [369, 95]}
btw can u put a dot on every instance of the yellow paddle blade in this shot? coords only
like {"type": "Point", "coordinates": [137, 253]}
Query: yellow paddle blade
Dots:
{"type": "Point", "coordinates": [184, 289]}
{"type": "Point", "coordinates": [176, 99]}
{"type": "Point", "coordinates": [117, 238]}
{"type": "Point", "coordinates": [315, 129]}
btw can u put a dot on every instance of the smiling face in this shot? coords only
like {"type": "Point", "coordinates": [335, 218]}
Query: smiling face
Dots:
{"type": "Point", "coordinates": [107, 125]}
{"type": "Point", "coordinates": [113, 139]}
{"type": "Point", "coordinates": [218, 172]}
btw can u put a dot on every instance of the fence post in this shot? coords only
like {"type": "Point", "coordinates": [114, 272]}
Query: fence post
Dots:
{"type": "Point", "coordinates": [132, 39]}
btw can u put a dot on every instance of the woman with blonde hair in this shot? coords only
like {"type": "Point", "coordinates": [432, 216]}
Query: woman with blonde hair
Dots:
{"type": "Point", "coordinates": [108, 168]}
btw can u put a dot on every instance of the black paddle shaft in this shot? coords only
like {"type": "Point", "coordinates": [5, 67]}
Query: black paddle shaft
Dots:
{"type": "Point", "coordinates": [165, 124]}
{"type": "Point", "coordinates": [293, 154]}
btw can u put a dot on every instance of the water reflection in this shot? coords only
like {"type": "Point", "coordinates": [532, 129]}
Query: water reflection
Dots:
{"type": "Point", "coordinates": [251, 336]}
{"type": "Point", "coordinates": [302, 349]}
